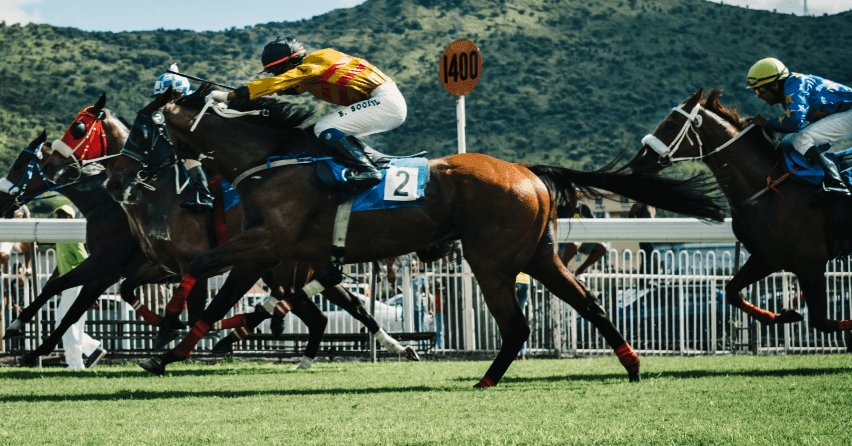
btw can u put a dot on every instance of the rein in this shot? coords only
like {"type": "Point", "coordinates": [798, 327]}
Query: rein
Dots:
{"type": "Point", "coordinates": [693, 121]}
{"type": "Point", "coordinates": [283, 160]}
{"type": "Point", "coordinates": [19, 190]}
{"type": "Point", "coordinates": [223, 111]}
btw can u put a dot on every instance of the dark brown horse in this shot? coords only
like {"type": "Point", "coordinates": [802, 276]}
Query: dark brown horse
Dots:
{"type": "Point", "coordinates": [477, 199]}
{"type": "Point", "coordinates": [784, 228]}
{"type": "Point", "coordinates": [112, 251]}
{"type": "Point", "coordinates": [171, 237]}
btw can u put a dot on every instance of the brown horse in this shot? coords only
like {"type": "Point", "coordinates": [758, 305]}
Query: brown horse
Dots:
{"type": "Point", "coordinates": [477, 199]}
{"type": "Point", "coordinates": [112, 251]}
{"type": "Point", "coordinates": [171, 237]}
{"type": "Point", "coordinates": [785, 228]}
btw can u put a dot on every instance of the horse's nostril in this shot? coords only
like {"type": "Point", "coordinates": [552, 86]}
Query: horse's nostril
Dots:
{"type": "Point", "coordinates": [112, 185]}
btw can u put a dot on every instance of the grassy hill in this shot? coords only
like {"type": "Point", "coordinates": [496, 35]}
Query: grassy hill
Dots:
{"type": "Point", "coordinates": [564, 82]}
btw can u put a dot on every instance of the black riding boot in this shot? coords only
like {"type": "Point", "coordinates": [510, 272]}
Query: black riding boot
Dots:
{"type": "Point", "coordinates": [203, 198]}
{"type": "Point", "coordinates": [364, 171]}
{"type": "Point", "coordinates": [832, 185]}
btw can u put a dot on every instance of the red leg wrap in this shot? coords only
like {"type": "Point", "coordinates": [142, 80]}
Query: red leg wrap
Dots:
{"type": "Point", "coordinates": [758, 313]}
{"type": "Point", "coordinates": [187, 345]}
{"type": "Point", "coordinates": [178, 301]}
{"type": "Point", "coordinates": [145, 313]}
{"type": "Point", "coordinates": [282, 308]}
{"type": "Point", "coordinates": [486, 382]}
{"type": "Point", "coordinates": [231, 322]}
{"type": "Point", "coordinates": [845, 325]}
{"type": "Point", "coordinates": [240, 333]}
{"type": "Point", "coordinates": [628, 358]}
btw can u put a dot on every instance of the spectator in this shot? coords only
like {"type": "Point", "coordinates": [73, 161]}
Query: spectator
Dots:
{"type": "Point", "coordinates": [642, 210]}
{"type": "Point", "coordinates": [522, 290]}
{"type": "Point", "coordinates": [16, 288]}
{"type": "Point", "coordinates": [594, 250]}
{"type": "Point", "coordinates": [424, 310]}
{"type": "Point", "coordinates": [75, 340]}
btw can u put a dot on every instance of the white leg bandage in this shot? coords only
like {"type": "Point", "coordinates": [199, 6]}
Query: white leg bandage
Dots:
{"type": "Point", "coordinates": [306, 363]}
{"type": "Point", "coordinates": [390, 344]}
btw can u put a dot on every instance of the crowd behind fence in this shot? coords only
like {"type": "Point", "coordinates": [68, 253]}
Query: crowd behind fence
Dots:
{"type": "Point", "coordinates": [669, 304]}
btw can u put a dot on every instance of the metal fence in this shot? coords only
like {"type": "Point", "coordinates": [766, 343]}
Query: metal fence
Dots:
{"type": "Point", "coordinates": [675, 306]}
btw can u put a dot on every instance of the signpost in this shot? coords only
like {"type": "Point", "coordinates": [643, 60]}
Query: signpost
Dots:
{"type": "Point", "coordinates": [460, 69]}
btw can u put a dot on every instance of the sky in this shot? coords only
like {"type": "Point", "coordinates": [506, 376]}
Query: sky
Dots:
{"type": "Point", "coordinates": [198, 15]}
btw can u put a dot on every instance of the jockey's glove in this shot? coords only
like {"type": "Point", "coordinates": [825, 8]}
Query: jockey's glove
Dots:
{"type": "Point", "coordinates": [218, 96]}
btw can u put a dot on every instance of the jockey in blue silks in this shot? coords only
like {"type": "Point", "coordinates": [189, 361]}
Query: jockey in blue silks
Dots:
{"type": "Point", "coordinates": [826, 105]}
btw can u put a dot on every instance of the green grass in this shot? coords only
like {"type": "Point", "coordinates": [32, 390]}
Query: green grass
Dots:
{"type": "Point", "coordinates": [739, 400]}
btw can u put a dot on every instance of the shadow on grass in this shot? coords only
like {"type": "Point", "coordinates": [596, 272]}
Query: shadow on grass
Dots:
{"type": "Point", "coordinates": [168, 394]}
{"type": "Point", "coordinates": [685, 374]}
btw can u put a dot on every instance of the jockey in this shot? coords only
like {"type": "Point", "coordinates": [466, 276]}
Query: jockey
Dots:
{"type": "Point", "coordinates": [371, 101]}
{"type": "Point", "coordinates": [825, 104]}
{"type": "Point", "coordinates": [197, 178]}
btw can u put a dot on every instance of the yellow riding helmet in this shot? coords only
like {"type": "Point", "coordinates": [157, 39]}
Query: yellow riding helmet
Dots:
{"type": "Point", "coordinates": [766, 71]}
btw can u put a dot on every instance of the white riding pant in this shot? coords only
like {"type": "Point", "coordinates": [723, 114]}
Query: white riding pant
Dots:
{"type": "Point", "coordinates": [385, 110]}
{"type": "Point", "coordinates": [75, 341]}
{"type": "Point", "coordinates": [832, 128]}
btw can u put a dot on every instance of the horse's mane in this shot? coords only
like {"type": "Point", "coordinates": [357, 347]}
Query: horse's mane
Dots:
{"type": "Point", "coordinates": [731, 115]}
{"type": "Point", "coordinates": [282, 115]}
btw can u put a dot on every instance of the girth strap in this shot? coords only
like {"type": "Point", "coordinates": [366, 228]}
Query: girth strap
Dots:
{"type": "Point", "coordinates": [341, 227]}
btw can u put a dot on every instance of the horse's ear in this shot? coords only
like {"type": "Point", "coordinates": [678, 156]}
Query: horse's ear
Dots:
{"type": "Point", "coordinates": [160, 100]}
{"type": "Point", "coordinates": [101, 102]}
{"type": "Point", "coordinates": [41, 138]}
{"type": "Point", "coordinates": [693, 100]}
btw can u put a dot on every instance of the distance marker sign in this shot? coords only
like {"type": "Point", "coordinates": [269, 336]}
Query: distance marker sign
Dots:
{"type": "Point", "coordinates": [460, 67]}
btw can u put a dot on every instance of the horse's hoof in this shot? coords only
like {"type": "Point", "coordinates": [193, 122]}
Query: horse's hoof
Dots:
{"type": "Point", "coordinates": [28, 360]}
{"type": "Point", "coordinates": [224, 346]}
{"type": "Point", "coordinates": [410, 354]}
{"type": "Point", "coordinates": [154, 365]}
{"type": "Point", "coordinates": [276, 325]}
{"type": "Point", "coordinates": [787, 316]}
{"type": "Point", "coordinates": [635, 377]}
{"type": "Point", "coordinates": [484, 382]}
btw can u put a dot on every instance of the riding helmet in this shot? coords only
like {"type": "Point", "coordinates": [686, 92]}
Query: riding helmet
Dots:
{"type": "Point", "coordinates": [766, 71]}
{"type": "Point", "coordinates": [178, 83]}
{"type": "Point", "coordinates": [281, 50]}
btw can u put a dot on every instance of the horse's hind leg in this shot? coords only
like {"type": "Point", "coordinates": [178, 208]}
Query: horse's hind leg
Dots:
{"type": "Point", "coordinates": [754, 269]}
{"type": "Point", "coordinates": [814, 293]}
{"type": "Point", "coordinates": [546, 268]}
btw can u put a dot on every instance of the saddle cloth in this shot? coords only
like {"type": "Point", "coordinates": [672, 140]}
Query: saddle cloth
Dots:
{"type": "Point", "coordinates": [403, 184]}
{"type": "Point", "coordinates": [813, 174]}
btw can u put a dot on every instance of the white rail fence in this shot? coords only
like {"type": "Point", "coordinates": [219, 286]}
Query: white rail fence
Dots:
{"type": "Point", "coordinates": [673, 306]}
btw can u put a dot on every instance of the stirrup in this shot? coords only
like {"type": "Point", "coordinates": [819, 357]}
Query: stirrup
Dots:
{"type": "Point", "coordinates": [834, 191]}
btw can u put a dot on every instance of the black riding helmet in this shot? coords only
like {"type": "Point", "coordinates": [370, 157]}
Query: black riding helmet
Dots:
{"type": "Point", "coordinates": [279, 51]}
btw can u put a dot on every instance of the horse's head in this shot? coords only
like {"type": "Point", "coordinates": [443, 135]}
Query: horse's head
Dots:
{"type": "Point", "coordinates": [147, 151]}
{"type": "Point", "coordinates": [672, 136]}
{"type": "Point", "coordinates": [25, 179]}
{"type": "Point", "coordinates": [691, 132]}
{"type": "Point", "coordinates": [95, 134]}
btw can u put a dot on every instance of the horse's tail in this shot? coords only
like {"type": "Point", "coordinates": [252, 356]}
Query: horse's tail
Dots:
{"type": "Point", "coordinates": [696, 196]}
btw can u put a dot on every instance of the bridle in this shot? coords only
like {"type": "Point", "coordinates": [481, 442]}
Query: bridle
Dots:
{"type": "Point", "coordinates": [149, 144]}
{"type": "Point", "coordinates": [693, 122]}
{"type": "Point", "coordinates": [18, 191]}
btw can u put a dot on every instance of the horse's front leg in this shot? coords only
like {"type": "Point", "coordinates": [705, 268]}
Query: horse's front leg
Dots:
{"type": "Point", "coordinates": [754, 269]}
{"type": "Point", "coordinates": [239, 281]}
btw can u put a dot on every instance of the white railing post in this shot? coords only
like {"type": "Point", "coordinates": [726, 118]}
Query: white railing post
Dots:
{"type": "Point", "coordinates": [467, 308]}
